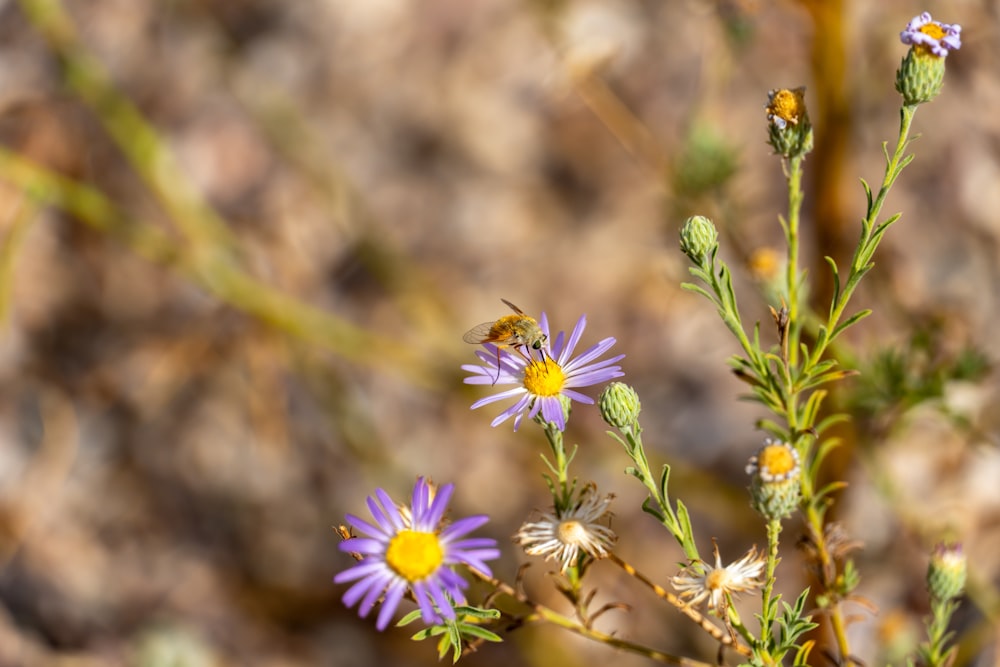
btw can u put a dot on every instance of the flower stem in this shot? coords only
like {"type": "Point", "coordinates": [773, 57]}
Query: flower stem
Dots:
{"type": "Point", "coordinates": [682, 606]}
{"type": "Point", "coordinates": [551, 616]}
{"type": "Point", "coordinates": [769, 603]}
{"type": "Point", "coordinates": [793, 172]}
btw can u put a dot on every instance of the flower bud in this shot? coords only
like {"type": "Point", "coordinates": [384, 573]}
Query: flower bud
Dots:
{"type": "Point", "coordinates": [788, 128]}
{"type": "Point", "coordinates": [921, 74]}
{"type": "Point", "coordinates": [619, 405]}
{"type": "Point", "coordinates": [699, 238]}
{"type": "Point", "coordinates": [774, 485]}
{"type": "Point", "coordinates": [946, 572]}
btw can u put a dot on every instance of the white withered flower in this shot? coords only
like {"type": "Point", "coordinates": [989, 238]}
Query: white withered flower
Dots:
{"type": "Point", "coordinates": [700, 581]}
{"type": "Point", "coordinates": [577, 531]}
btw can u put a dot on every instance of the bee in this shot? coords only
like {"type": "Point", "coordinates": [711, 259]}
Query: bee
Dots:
{"type": "Point", "coordinates": [519, 331]}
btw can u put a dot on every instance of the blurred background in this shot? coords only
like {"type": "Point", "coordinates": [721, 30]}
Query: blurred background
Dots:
{"type": "Point", "coordinates": [241, 241]}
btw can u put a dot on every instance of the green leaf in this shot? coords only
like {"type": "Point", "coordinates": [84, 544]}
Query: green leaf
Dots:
{"type": "Point", "coordinates": [664, 481]}
{"type": "Point", "coordinates": [830, 488]}
{"type": "Point", "coordinates": [833, 264]}
{"type": "Point", "coordinates": [699, 290]}
{"type": "Point", "coordinates": [481, 633]}
{"type": "Point", "coordinates": [477, 612]}
{"type": "Point", "coordinates": [685, 523]}
{"type": "Point", "coordinates": [824, 448]}
{"type": "Point", "coordinates": [811, 408]}
{"type": "Point", "coordinates": [868, 193]}
{"type": "Point", "coordinates": [652, 508]}
{"type": "Point", "coordinates": [852, 320]}
{"type": "Point", "coordinates": [409, 618]}
{"type": "Point", "coordinates": [773, 428]}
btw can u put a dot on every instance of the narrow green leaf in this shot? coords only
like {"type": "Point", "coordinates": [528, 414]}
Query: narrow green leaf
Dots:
{"type": "Point", "coordinates": [831, 420]}
{"type": "Point", "coordinates": [773, 428]}
{"type": "Point", "coordinates": [825, 447]}
{"type": "Point", "coordinates": [811, 408]}
{"type": "Point", "coordinates": [481, 633]}
{"type": "Point", "coordinates": [691, 287]}
{"type": "Point", "coordinates": [664, 481]}
{"type": "Point", "coordinates": [409, 618]}
{"type": "Point", "coordinates": [850, 321]}
{"type": "Point", "coordinates": [868, 193]}
{"type": "Point", "coordinates": [477, 612]}
{"type": "Point", "coordinates": [685, 523]}
{"type": "Point", "coordinates": [833, 264]}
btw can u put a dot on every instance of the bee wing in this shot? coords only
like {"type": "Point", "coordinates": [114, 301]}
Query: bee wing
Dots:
{"type": "Point", "coordinates": [479, 334]}
{"type": "Point", "coordinates": [513, 307]}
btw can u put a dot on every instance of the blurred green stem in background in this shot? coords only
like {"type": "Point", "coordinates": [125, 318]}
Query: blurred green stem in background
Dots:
{"type": "Point", "coordinates": [217, 274]}
{"type": "Point", "coordinates": [209, 255]}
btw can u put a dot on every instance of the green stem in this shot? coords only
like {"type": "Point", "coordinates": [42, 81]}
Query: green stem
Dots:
{"type": "Point", "coordinates": [871, 234]}
{"type": "Point", "coordinates": [795, 196]}
{"type": "Point", "coordinates": [561, 490]}
{"type": "Point", "coordinates": [769, 604]}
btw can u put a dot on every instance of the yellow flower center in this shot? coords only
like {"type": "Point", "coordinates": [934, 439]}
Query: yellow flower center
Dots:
{"type": "Point", "coordinates": [764, 263]}
{"type": "Point", "coordinates": [544, 378]}
{"type": "Point", "coordinates": [572, 531]}
{"type": "Point", "coordinates": [414, 555]}
{"type": "Point", "coordinates": [777, 460]}
{"type": "Point", "coordinates": [933, 30]}
{"type": "Point", "coordinates": [717, 579]}
{"type": "Point", "coordinates": [789, 105]}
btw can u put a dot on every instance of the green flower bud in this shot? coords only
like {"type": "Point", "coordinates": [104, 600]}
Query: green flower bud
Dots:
{"type": "Point", "coordinates": [921, 75]}
{"type": "Point", "coordinates": [946, 572]}
{"type": "Point", "coordinates": [619, 405]}
{"type": "Point", "coordinates": [699, 238]}
{"type": "Point", "coordinates": [774, 485]}
{"type": "Point", "coordinates": [788, 129]}
{"type": "Point", "coordinates": [920, 78]}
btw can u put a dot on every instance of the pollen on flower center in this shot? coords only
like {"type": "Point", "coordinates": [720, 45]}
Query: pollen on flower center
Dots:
{"type": "Point", "coordinates": [777, 460]}
{"type": "Point", "coordinates": [414, 555]}
{"type": "Point", "coordinates": [786, 105]}
{"type": "Point", "coordinates": [544, 378]}
{"type": "Point", "coordinates": [716, 580]}
{"type": "Point", "coordinates": [934, 30]}
{"type": "Point", "coordinates": [572, 531]}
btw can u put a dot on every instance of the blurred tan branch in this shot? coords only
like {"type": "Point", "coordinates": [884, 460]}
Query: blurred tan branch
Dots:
{"type": "Point", "coordinates": [23, 213]}
{"type": "Point", "coordinates": [134, 136]}
{"type": "Point", "coordinates": [210, 255]}
{"type": "Point", "coordinates": [216, 273]}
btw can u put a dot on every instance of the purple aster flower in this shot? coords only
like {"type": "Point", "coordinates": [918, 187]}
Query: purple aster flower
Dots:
{"type": "Point", "coordinates": [412, 549]}
{"type": "Point", "coordinates": [542, 384]}
{"type": "Point", "coordinates": [932, 36]}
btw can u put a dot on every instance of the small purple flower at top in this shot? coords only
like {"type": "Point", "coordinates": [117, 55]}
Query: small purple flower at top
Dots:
{"type": "Point", "coordinates": [932, 36]}
{"type": "Point", "coordinates": [542, 384]}
{"type": "Point", "coordinates": [413, 548]}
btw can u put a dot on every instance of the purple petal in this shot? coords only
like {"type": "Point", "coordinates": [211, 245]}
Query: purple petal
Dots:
{"type": "Point", "coordinates": [366, 568]}
{"type": "Point", "coordinates": [391, 511]}
{"type": "Point", "coordinates": [439, 505]}
{"type": "Point", "coordinates": [574, 338]}
{"type": "Point", "coordinates": [422, 596]}
{"type": "Point", "coordinates": [552, 411]}
{"type": "Point", "coordinates": [363, 545]}
{"type": "Point", "coordinates": [367, 528]}
{"type": "Point", "coordinates": [389, 605]}
{"type": "Point", "coordinates": [444, 605]}
{"type": "Point", "coordinates": [578, 397]}
{"type": "Point", "coordinates": [509, 393]}
{"type": "Point", "coordinates": [463, 527]}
